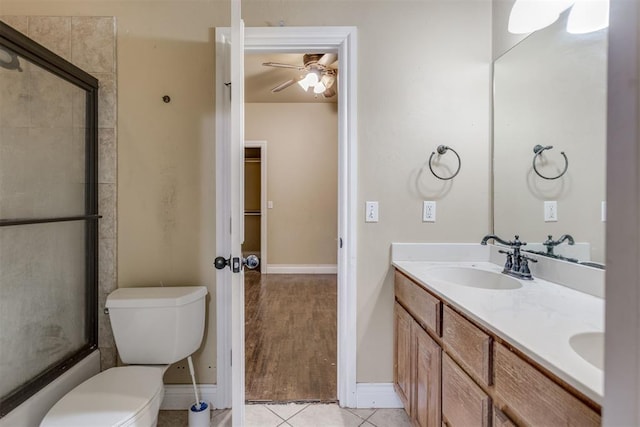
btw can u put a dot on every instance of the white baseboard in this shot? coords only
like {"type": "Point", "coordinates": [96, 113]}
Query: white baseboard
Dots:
{"type": "Point", "coordinates": [181, 396]}
{"type": "Point", "coordinates": [377, 395]}
{"type": "Point", "coordinates": [368, 395]}
{"type": "Point", "coordinates": [302, 269]}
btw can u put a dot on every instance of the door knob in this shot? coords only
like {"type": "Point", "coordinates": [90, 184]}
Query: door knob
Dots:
{"type": "Point", "coordinates": [251, 262]}
{"type": "Point", "coordinates": [221, 262]}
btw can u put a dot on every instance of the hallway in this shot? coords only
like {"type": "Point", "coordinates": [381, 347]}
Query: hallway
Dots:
{"type": "Point", "coordinates": [290, 333]}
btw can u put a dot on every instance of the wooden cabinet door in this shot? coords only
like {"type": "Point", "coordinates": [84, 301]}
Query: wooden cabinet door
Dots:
{"type": "Point", "coordinates": [402, 356]}
{"type": "Point", "coordinates": [427, 374]}
{"type": "Point", "coordinates": [464, 404]}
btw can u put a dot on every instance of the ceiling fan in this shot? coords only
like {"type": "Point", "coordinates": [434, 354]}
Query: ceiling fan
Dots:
{"type": "Point", "coordinates": [319, 74]}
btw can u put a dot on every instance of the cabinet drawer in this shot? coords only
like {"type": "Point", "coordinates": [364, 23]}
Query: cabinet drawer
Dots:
{"type": "Point", "coordinates": [424, 307]}
{"type": "Point", "coordinates": [469, 345]}
{"type": "Point", "coordinates": [531, 398]}
{"type": "Point", "coordinates": [464, 404]}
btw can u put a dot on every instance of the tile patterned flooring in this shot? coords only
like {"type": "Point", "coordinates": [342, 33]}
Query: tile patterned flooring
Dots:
{"type": "Point", "coordinates": [297, 415]}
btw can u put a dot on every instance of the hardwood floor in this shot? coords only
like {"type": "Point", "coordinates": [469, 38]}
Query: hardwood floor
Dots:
{"type": "Point", "coordinates": [290, 337]}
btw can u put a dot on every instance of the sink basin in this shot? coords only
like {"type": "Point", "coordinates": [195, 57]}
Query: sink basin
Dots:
{"type": "Point", "coordinates": [474, 278]}
{"type": "Point", "coordinates": [589, 346]}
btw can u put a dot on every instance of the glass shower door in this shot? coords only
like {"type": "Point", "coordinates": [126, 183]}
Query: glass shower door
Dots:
{"type": "Point", "coordinates": [48, 216]}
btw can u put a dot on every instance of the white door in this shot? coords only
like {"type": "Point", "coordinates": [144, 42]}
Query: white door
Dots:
{"type": "Point", "coordinates": [230, 210]}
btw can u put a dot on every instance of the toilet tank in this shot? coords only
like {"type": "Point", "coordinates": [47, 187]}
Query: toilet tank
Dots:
{"type": "Point", "coordinates": [157, 325]}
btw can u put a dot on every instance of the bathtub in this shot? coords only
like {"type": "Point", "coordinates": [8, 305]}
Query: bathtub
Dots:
{"type": "Point", "coordinates": [31, 412]}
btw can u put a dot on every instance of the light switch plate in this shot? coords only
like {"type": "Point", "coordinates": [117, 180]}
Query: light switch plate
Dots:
{"type": "Point", "coordinates": [371, 212]}
{"type": "Point", "coordinates": [603, 212]}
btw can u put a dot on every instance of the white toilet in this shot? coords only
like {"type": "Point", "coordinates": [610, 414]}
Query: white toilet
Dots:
{"type": "Point", "coordinates": [153, 327]}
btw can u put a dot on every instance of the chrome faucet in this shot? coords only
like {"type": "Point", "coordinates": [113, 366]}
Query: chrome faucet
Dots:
{"type": "Point", "coordinates": [550, 243]}
{"type": "Point", "coordinates": [516, 265]}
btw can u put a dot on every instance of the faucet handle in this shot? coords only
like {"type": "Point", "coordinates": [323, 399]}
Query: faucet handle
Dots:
{"type": "Point", "coordinates": [509, 262]}
{"type": "Point", "coordinates": [516, 242]}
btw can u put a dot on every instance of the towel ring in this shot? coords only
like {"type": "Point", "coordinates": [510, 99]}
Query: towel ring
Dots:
{"type": "Point", "coordinates": [538, 150]}
{"type": "Point", "coordinates": [441, 150]}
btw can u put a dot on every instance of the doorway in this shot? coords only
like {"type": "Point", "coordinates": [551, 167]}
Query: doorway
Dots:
{"type": "Point", "coordinates": [291, 306]}
{"type": "Point", "coordinates": [340, 40]}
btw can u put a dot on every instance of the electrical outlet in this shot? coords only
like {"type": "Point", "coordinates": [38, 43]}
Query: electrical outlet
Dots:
{"type": "Point", "coordinates": [551, 211]}
{"type": "Point", "coordinates": [371, 212]}
{"type": "Point", "coordinates": [428, 211]}
{"type": "Point", "coordinates": [270, 204]}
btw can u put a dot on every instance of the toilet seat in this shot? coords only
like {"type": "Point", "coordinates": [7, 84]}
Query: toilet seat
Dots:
{"type": "Point", "coordinates": [128, 396]}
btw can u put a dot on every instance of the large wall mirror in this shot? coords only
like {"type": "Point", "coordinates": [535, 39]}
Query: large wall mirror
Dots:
{"type": "Point", "coordinates": [550, 90]}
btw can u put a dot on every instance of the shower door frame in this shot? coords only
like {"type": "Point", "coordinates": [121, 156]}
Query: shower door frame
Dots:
{"type": "Point", "coordinates": [49, 61]}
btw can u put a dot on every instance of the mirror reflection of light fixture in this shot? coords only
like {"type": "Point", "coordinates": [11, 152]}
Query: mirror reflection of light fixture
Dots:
{"type": "Point", "coordinates": [9, 59]}
{"type": "Point", "coordinates": [528, 16]}
{"type": "Point", "coordinates": [585, 16]}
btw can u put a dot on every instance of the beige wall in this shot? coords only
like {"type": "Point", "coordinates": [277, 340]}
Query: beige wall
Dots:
{"type": "Point", "coordinates": [622, 340]}
{"type": "Point", "coordinates": [424, 80]}
{"type": "Point", "coordinates": [302, 179]}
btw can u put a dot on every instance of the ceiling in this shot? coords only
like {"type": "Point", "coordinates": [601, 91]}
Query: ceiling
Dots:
{"type": "Point", "coordinates": [259, 80]}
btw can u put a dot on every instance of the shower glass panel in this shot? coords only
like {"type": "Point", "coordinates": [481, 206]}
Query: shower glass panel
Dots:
{"type": "Point", "coordinates": [41, 298]}
{"type": "Point", "coordinates": [48, 216]}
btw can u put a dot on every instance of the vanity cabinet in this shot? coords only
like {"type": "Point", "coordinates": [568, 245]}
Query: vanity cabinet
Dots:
{"type": "Point", "coordinates": [450, 371]}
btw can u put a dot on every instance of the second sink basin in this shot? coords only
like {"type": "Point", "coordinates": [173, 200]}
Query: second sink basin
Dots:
{"type": "Point", "coordinates": [474, 278]}
{"type": "Point", "coordinates": [589, 346]}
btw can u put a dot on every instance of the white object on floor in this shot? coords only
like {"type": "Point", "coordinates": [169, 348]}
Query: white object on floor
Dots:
{"type": "Point", "coordinates": [199, 414]}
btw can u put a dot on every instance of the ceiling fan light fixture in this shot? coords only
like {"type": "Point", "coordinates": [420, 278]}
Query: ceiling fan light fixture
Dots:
{"type": "Point", "coordinates": [319, 88]}
{"type": "Point", "coordinates": [328, 80]}
{"type": "Point", "coordinates": [329, 93]}
{"type": "Point", "coordinates": [304, 84]}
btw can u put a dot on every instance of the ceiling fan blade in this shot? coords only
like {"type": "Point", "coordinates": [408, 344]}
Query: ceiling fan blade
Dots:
{"type": "Point", "coordinates": [327, 59]}
{"type": "Point", "coordinates": [283, 85]}
{"type": "Point", "coordinates": [280, 65]}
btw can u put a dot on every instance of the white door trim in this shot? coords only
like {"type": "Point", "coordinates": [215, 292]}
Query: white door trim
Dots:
{"type": "Point", "coordinates": [300, 39]}
{"type": "Point", "coordinates": [262, 145]}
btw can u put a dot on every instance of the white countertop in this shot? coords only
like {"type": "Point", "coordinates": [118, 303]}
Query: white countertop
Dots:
{"type": "Point", "coordinates": [538, 319]}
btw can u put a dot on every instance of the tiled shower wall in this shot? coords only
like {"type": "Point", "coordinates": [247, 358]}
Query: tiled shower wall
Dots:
{"type": "Point", "coordinates": [90, 43]}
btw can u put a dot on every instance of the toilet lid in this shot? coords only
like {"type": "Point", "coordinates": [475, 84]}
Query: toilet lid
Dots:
{"type": "Point", "coordinates": [115, 397]}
